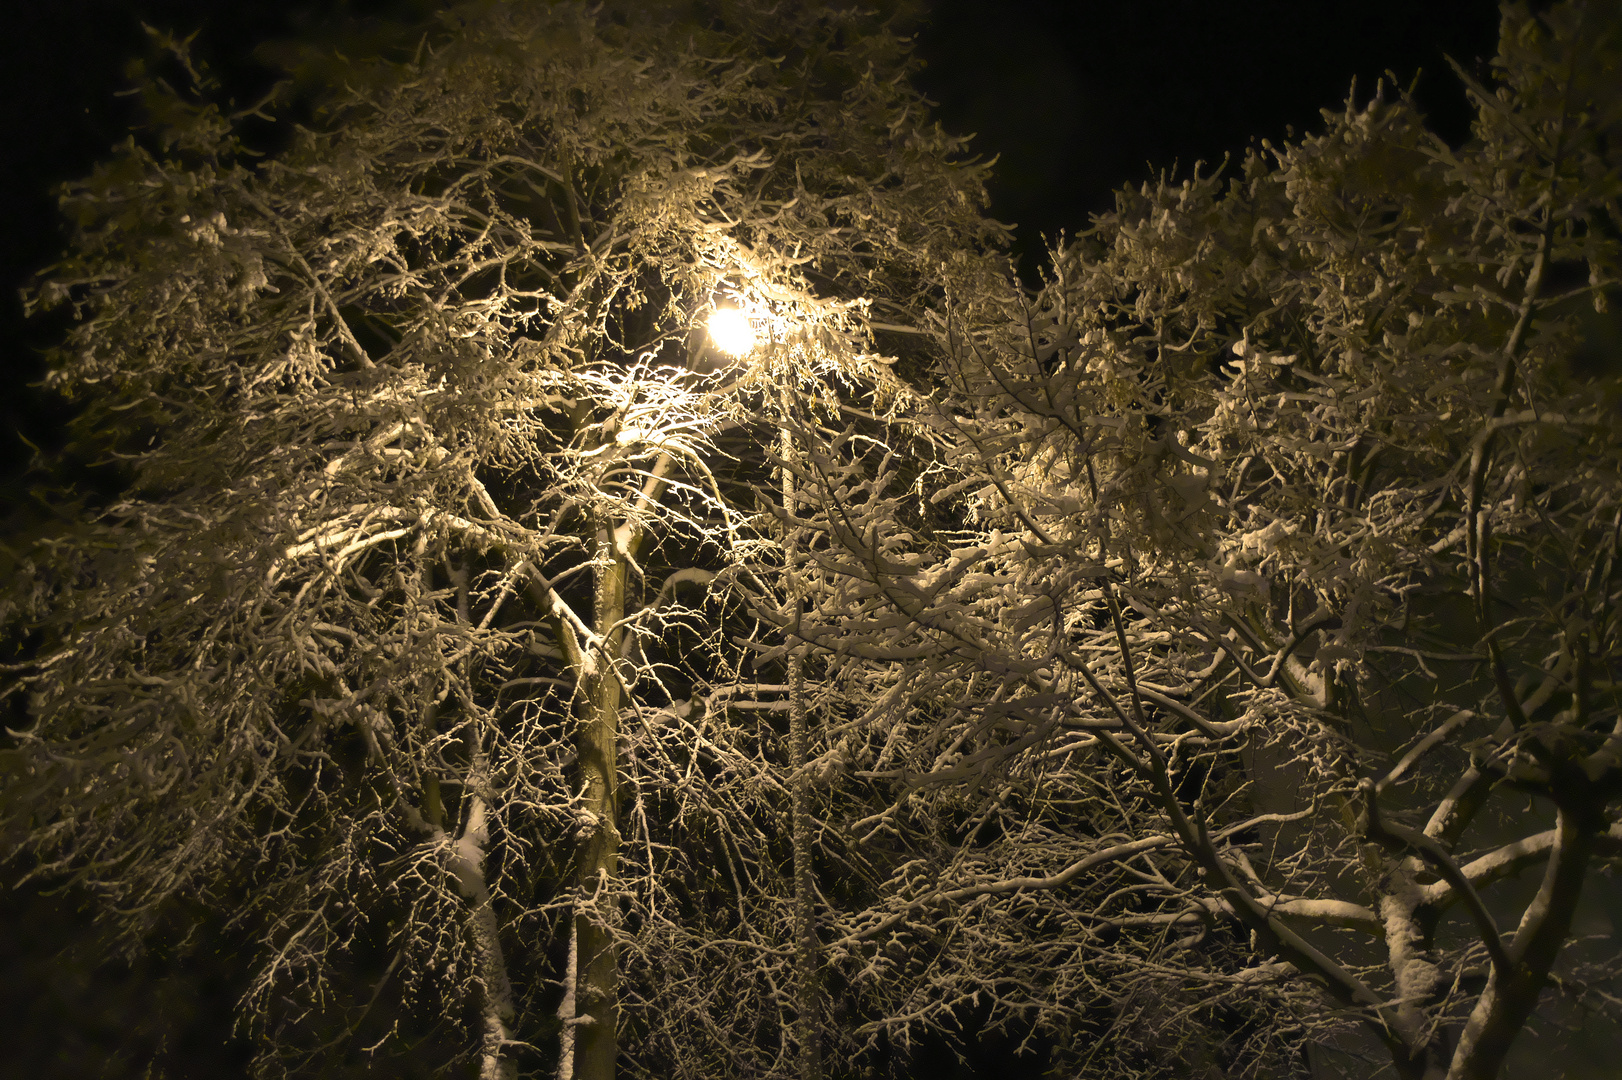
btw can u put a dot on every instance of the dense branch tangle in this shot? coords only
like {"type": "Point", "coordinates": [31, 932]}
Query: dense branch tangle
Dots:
{"type": "Point", "coordinates": [406, 609]}
{"type": "Point", "coordinates": [1265, 573]}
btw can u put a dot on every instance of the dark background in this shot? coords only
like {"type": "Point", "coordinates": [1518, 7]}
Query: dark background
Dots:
{"type": "Point", "coordinates": [1075, 97]}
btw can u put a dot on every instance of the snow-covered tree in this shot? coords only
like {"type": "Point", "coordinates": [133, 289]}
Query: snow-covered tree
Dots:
{"type": "Point", "coordinates": [401, 638]}
{"type": "Point", "coordinates": [1243, 619]}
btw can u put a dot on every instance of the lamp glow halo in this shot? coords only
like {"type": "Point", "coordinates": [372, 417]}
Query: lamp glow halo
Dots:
{"type": "Point", "coordinates": [731, 331]}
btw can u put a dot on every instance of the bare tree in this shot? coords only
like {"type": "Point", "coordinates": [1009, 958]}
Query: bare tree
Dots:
{"type": "Point", "coordinates": [1243, 617]}
{"type": "Point", "coordinates": [403, 625]}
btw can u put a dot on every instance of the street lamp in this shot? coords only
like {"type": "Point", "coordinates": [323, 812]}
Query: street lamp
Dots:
{"type": "Point", "coordinates": [731, 331]}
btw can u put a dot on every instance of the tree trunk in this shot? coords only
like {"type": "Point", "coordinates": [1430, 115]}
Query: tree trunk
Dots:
{"type": "Point", "coordinates": [1503, 1008]}
{"type": "Point", "coordinates": [596, 958]}
{"type": "Point", "coordinates": [496, 1010]}
{"type": "Point", "coordinates": [566, 1008]}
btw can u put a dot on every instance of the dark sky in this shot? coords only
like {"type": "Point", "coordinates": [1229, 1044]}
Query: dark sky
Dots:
{"type": "Point", "coordinates": [1076, 96]}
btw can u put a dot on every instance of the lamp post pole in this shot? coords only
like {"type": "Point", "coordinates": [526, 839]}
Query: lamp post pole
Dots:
{"type": "Point", "coordinates": [804, 919]}
{"type": "Point", "coordinates": [730, 332]}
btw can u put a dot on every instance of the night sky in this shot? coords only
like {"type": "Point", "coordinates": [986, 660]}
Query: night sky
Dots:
{"type": "Point", "coordinates": [1075, 97]}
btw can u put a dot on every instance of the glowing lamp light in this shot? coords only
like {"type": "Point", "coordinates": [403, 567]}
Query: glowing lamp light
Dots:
{"type": "Point", "coordinates": [731, 332]}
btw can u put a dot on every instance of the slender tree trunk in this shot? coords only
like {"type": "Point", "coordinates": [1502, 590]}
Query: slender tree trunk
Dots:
{"type": "Point", "coordinates": [806, 1022]}
{"type": "Point", "coordinates": [467, 852]}
{"type": "Point", "coordinates": [591, 1001]}
{"type": "Point", "coordinates": [496, 1011]}
{"type": "Point", "coordinates": [596, 958]}
{"type": "Point", "coordinates": [465, 862]}
{"type": "Point", "coordinates": [566, 1007]}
